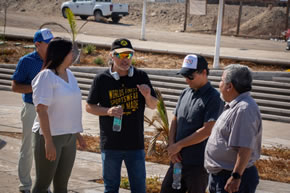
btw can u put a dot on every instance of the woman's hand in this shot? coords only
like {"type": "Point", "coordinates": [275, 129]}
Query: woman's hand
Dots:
{"type": "Point", "coordinates": [81, 141]}
{"type": "Point", "coordinates": [50, 151]}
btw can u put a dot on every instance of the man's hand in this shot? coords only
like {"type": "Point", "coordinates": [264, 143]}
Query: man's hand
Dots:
{"type": "Point", "coordinates": [232, 185]}
{"type": "Point", "coordinates": [173, 149]}
{"type": "Point", "coordinates": [175, 158]}
{"type": "Point", "coordinates": [116, 111]}
{"type": "Point", "coordinates": [145, 90]}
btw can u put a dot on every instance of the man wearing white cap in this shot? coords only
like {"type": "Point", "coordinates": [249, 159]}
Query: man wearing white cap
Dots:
{"type": "Point", "coordinates": [27, 68]}
{"type": "Point", "coordinates": [197, 109]}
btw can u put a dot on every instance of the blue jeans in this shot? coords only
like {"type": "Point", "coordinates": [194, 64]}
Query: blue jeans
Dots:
{"type": "Point", "coordinates": [135, 163]}
{"type": "Point", "coordinates": [249, 183]}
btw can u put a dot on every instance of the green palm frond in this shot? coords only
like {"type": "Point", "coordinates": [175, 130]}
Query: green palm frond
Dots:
{"type": "Point", "coordinates": [72, 23]}
{"type": "Point", "coordinates": [82, 26]}
{"type": "Point", "coordinates": [152, 144]}
{"type": "Point", "coordinates": [160, 123]}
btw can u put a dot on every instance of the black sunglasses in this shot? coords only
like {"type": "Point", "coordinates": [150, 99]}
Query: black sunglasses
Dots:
{"type": "Point", "coordinates": [189, 76]}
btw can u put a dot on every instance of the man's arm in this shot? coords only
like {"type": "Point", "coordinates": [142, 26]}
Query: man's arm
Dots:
{"type": "Point", "coordinates": [172, 134]}
{"type": "Point", "coordinates": [151, 102]}
{"type": "Point", "coordinates": [21, 88]}
{"type": "Point", "coordinates": [243, 157]}
{"type": "Point", "coordinates": [195, 138]}
{"type": "Point", "coordinates": [104, 111]}
{"type": "Point", "coordinates": [145, 90]}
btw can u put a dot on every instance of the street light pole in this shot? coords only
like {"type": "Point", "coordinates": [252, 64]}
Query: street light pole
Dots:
{"type": "Point", "coordinates": [218, 36]}
{"type": "Point", "coordinates": [143, 21]}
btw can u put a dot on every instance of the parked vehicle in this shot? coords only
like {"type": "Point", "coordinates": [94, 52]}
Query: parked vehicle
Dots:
{"type": "Point", "coordinates": [97, 8]}
{"type": "Point", "coordinates": [288, 44]}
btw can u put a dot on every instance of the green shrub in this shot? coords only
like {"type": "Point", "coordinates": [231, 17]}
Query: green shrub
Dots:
{"type": "Point", "coordinates": [99, 61]}
{"type": "Point", "coordinates": [89, 49]}
{"type": "Point", "coordinates": [133, 62]}
{"type": "Point", "coordinates": [125, 183]}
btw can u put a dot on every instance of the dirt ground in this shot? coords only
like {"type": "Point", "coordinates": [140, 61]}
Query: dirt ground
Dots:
{"type": "Point", "coordinates": [11, 51]}
{"type": "Point", "coordinates": [257, 21]}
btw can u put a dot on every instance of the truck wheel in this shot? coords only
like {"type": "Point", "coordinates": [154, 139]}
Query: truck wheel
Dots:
{"type": "Point", "coordinates": [83, 17]}
{"type": "Point", "coordinates": [116, 19]}
{"type": "Point", "coordinates": [63, 12]}
{"type": "Point", "coordinates": [98, 15]}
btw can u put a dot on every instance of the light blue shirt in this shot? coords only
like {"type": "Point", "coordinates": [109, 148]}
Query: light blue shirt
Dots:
{"type": "Point", "coordinates": [240, 125]}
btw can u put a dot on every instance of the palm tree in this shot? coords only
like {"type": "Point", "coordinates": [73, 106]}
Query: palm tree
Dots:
{"type": "Point", "coordinates": [73, 32]}
{"type": "Point", "coordinates": [160, 123]}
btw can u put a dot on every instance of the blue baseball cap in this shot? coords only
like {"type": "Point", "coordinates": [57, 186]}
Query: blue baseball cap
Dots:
{"type": "Point", "coordinates": [43, 35]}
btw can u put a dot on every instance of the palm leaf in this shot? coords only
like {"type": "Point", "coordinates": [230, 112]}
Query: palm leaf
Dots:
{"type": "Point", "coordinates": [160, 123]}
{"type": "Point", "coordinates": [72, 23]}
{"type": "Point", "coordinates": [54, 23]}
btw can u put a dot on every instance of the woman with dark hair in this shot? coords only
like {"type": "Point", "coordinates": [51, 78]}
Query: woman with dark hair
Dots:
{"type": "Point", "coordinates": [57, 99]}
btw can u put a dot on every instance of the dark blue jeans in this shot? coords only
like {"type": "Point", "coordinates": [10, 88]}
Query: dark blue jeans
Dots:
{"type": "Point", "coordinates": [135, 163]}
{"type": "Point", "coordinates": [249, 181]}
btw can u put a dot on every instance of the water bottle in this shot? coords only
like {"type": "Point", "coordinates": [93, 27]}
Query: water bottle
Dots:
{"type": "Point", "coordinates": [176, 184]}
{"type": "Point", "coordinates": [117, 123]}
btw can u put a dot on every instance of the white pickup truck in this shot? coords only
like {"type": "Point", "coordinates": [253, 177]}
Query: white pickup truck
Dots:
{"type": "Point", "coordinates": [97, 8]}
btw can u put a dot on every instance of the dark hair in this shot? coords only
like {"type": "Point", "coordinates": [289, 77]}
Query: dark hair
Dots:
{"type": "Point", "coordinates": [240, 76]}
{"type": "Point", "coordinates": [57, 50]}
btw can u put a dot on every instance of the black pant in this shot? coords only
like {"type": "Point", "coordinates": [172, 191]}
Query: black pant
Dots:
{"type": "Point", "coordinates": [194, 180]}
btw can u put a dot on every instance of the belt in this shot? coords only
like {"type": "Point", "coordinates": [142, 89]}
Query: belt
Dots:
{"type": "Point", "coordinates": [227, 172]}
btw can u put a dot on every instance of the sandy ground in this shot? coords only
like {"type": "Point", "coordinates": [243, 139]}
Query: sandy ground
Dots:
{"type": "Point", "coordinates": [259, 21]}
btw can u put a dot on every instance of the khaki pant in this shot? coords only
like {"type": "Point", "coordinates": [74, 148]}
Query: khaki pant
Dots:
{"type": "Point", "coordinates": [26, 156]}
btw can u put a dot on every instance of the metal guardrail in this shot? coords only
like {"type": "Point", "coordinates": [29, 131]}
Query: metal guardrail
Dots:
{"type": "Point", "coordinates": [271, 90]}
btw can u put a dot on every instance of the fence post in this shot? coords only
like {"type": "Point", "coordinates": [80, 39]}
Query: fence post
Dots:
{"type": "Point", "coordinates": [239, 18]}
{"type": "Point", "coordinates": [287, 15]}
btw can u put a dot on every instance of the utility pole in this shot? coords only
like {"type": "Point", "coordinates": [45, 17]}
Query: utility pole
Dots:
{"type": "Point", "coordinates": [185, 15]}
{"type": "Point", "coordinates": [239, 17]}
{"type": "Point", "coordinates": [143, 21]}
{"type": "Point", "coordinates": [218, 36]}
{"type": "Point", "coordinates": [287, 15]}
{"type": "Point", "coordinates": [223, 19]}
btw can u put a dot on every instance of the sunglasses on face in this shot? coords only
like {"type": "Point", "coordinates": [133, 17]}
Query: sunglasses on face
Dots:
{"type": "Point", "coordinates": [122, 55]}
{"type": "Point", "coordinates": [190, 77]}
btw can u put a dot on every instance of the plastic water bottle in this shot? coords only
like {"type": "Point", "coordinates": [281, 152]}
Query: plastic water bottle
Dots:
{"type": "Point", "coordinates": [117, 123]}
{"type": "Point", "coordinates": [176, 184]}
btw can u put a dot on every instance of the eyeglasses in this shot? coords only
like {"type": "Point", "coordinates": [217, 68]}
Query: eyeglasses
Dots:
{"type": "Point", "coordinates": [190, 77]}
{"type": "Point", "coordinates": [123, 55]}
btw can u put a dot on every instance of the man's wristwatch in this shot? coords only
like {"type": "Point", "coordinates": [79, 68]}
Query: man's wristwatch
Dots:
{"type": "Point", "coordinates": [236, 175]}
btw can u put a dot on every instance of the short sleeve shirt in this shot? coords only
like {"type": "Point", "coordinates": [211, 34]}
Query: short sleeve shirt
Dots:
{"type": "Point", "coordinates": [27, 68]}
{"type": "Point", "coordinates": [63, 99]}
{"type": "Point", "coordinates": [240, 125]}
{"type": "Point", "coordinates": [108, 92]}
{"type": "Point", "coordinates": [194, 108]}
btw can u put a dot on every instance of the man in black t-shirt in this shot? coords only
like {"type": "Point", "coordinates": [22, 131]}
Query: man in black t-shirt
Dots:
{"type": "Point", "coordinates": [122, 92]}
{"type": "Point", "coordinates": [197, 109]}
